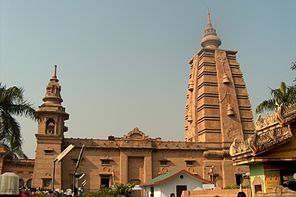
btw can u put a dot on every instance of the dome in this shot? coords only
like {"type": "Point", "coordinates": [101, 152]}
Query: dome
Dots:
{"type": "Point", "coordinates": [211, 41]}
{"type": "Point", "coordinates": [210, 38]}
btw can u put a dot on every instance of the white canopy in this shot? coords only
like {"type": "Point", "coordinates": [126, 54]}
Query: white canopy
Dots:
{"type": "Point", "coordinates": [9, 184]}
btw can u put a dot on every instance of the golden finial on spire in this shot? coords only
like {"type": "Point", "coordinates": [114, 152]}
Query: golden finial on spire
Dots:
{"type": "Point", "coordinates": [54, 76]}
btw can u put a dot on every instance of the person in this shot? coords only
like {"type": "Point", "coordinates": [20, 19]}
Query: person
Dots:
{"type": "Point", "coordinates": [241, 194]}
{"type": "Point", "coordinates": [80, 191]}
{"type": "Point", "coordinates": [172, 195]}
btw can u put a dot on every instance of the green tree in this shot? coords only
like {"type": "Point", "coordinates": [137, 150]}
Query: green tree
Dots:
{"type": "Point", "coordinates": [293, 67]}
{"type": "Point", "coordinates": [118, 190]}
{"type": "Point", "coordinates": [104, 192]}
{"type": "Point", "coordinates": [123, 190]}
{"type": "Point", "coordinates": [13, 151]}
{"type": "Point", "coordinates": [282, 96]}
{"type": "Point", "coordinates": [12, 103]}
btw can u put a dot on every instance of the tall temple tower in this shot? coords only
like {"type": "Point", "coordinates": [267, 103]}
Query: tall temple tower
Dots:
{"type": "Point", "coordinates": [217, 106]}
{"type": "Point", "coordinates": [51, 117]}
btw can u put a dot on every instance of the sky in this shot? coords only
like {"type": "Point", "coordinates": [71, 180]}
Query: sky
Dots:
{"type": "Point", "coordinates": [124, 64]}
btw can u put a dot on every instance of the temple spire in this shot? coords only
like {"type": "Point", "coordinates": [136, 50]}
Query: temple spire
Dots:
{"type": "Point", "coordinates": [209, 17]}
{"type": "Point", "coordinates": [54, 76]}
{"type": "Point", "coordinates": [53, 89]}
{"type": "Point", "coordinates": [210, 38]}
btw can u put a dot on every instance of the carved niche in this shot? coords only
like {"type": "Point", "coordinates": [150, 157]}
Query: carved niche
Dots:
{"type": "Point", "coordinates": [135, 134]}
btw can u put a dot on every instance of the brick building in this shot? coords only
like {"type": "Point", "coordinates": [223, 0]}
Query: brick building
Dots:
{"type": "Point", "coordinates": [217, 110]}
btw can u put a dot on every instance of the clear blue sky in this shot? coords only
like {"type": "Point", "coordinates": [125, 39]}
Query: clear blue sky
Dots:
{"type": "Point", "coordinates": [123, 64]}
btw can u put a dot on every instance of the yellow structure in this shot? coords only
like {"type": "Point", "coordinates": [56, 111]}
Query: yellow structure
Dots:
{"type": "Point", "coordinates": [270, 153]}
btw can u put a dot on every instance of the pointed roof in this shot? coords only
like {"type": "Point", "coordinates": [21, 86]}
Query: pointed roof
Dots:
{"type": "Point", "coordinates": [210, 38]}
{"type": "Point", "coordinates": [170, 175]}
{"type": "Point", "coordinates": [53, 90]}
{"type": "Point", "coordinates": [54, 76]}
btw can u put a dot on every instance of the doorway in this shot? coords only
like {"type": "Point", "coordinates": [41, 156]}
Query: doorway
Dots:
{"type": "Point", "coordinates": [180, 189]}
{"type": "Point", "coordinates": [105, 181]}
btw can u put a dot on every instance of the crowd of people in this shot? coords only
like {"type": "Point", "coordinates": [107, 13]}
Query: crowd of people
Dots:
{"type": "Point", "coordinates": [38, 192]}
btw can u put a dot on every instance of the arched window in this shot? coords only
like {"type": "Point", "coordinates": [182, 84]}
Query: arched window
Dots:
{"type": "Point", "coordinates": [29, 183]}
{"type": "Point", "coordinates": [21, 182]}
{"type": "Point", "coordinates": [50, 126]}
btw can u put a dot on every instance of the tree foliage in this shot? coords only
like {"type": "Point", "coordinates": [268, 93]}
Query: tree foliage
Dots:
{"type": "Point", "coordinates": [123, 190]}
{"type": "Point", "coordinates": [104, 192]}
{"type": "Point", "coordinates": [118, 190]}
{"type": "Point", "coordinates": [12, 103]}
{"type": "Point", "coordinates": [293, 67]}
{"type": "Point", "coordinates": [13, 151]}
{"type": "Point", "coordinates": [283, 96]}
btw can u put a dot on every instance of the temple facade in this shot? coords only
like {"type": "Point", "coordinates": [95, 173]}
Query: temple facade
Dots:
{"type": "Point", "coordinates": [217, 111]}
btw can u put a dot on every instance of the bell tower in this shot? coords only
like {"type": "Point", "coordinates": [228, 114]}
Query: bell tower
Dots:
{"type": "Point", "coordinates": [217, 104]}
{"type": "Point", "coordinates": [51, 128]}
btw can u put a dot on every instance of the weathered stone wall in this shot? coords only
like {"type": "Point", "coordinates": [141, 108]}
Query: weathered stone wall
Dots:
{"type": "Point", "coordinates": [23, 168]}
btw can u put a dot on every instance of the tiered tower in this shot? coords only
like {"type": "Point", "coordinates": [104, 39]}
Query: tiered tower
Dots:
{"type": "Point", "coordinates": [51, 117]}
{"type": "Point", "coordinates": [217, 107]}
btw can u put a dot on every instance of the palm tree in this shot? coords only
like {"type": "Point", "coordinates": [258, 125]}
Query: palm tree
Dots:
{"type": "Point", "coordinates": [13, 152]}
{"type": "Point", "coordinates": [293, 67]}
{"type": "Point", "coordinates": [282, 96]}
{"type": "Point", "coordinates": [12, 103]}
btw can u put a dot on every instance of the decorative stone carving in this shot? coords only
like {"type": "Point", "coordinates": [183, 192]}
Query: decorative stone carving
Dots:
{"type": "Point", "coordinates": [261, 141]}
{"type": "Point", "coordinates": [164, 170]}
{"type": "Point", "coordinates": [232, 131]}
{"type": "Point", "coordinates": [136, 134]}
{"type": "Point", "coordinates": [281, 116]}
{"type": "Point", "coordinates": [221, 58]}
{"type": "Point", "coordinates": [286, 114]}
{"type": "Point", "coordinates": [252, 142]}
{"type": "Point", "coordinates": [270, 132]}
{"type": "Point", "coordinates": [191, 169]}
{"type": "Point", "coordinates": [234, 147]}
{"type": "Point", "coordinates": [107, 169]}
{"type": "Point", "coordinates": [263, 122]}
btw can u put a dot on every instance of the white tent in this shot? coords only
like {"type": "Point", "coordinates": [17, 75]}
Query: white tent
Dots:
{"type": "Point", "coordinates": [9, 184]}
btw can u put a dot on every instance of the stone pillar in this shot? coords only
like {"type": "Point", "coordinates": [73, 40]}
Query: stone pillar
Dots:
{"type": "Point", "coordinates": [123, 168]}
{"type": "Point", "coordinates": [228, 172]}
{"type": "Point", "coordinates": [147, 167]}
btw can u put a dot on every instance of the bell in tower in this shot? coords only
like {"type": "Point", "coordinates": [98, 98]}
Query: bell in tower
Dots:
{"type": "Point", "coordinates": [226, 79]}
